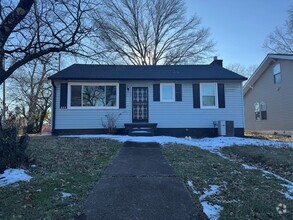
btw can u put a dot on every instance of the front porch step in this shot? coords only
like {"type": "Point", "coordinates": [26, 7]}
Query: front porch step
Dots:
{"type": "Point", "coordinates": [140, 129]}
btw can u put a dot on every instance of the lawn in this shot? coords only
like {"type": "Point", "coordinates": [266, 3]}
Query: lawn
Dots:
{"type": "Point", "coordinates": [242, 193]}
{"type": "Point", "coordinates": [276, 160]}
{"type": "Point", "coordinates": [68, 165]}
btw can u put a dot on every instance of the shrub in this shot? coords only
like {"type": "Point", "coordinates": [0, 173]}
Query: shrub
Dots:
{"type": "Point", "coordinates": [110, 123]}
{"type": "Point", "coordinates": [12, 146]}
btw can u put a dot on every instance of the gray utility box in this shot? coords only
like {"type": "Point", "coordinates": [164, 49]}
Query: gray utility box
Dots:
{"type": "Point", "coordinates": [226, 128]}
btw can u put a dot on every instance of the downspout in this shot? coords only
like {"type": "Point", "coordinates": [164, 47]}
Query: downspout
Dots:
{"type": "Point", "coordinates": [53, 108]}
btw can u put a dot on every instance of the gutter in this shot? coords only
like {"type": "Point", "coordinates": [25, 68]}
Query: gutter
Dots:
{"type": "Point", "coordinates": [53, 108]}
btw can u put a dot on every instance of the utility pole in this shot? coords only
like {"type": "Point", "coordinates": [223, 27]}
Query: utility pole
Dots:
{"type": "Point", "coordinates": [59, 66]}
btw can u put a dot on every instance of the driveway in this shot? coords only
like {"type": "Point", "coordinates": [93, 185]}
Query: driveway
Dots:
{"type": "Point", "coordinates": [140, 184]}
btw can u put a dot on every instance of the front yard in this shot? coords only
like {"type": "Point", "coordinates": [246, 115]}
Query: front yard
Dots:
{"type": "Point", "coordinates": [229, 178]}
{"type": "Point", "coordinates": [64, 171]}
{"type": "Point", "coordinates": [227, 188]}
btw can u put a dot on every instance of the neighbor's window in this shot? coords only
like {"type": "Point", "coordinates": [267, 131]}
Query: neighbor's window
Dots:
{"type": "Point", "coordinates": [167, 92]}
{"type": "Point", "coordinates": [93, 95]}
{"type": "Point", "coordinates": [260, 111]}
{"type": "Point", "coordinates": [208, 94]}
{"type": "Point", "coordinates": [263, 111]}
{"type": "Point", "coordinates": [257, 111]}
{"type": "Point", "coordinates": [277, 73]}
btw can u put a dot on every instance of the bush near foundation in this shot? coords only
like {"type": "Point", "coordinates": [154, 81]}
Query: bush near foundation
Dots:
{"type": "Point", "coordinates": [12, 145]}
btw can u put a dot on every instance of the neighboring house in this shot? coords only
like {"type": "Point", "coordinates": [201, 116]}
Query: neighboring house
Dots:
{"type": "Point", "coordinates": [182, 100]}
{"type": "Point", "coordinates": [268, 96]}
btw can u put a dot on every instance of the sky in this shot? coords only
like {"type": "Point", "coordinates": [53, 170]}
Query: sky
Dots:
{"type": "Point", "coordinates": [240, 27]}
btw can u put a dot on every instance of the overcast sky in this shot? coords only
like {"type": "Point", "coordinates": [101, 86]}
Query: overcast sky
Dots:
{"type": "Point", "coordinates": [240, 27]}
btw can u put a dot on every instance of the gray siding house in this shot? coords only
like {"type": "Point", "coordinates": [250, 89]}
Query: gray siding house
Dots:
{"type": "Point", "coordinates": [179, 100]}
{"type": "Point", "coordinates": [268, 96]}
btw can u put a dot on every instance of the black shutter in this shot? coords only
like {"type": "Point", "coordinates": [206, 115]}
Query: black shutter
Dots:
{"type": "Point", "coordinates": [178, 92]}
{"type": "Point", "coordinates": [63, 95]}
{"type": "Point", "coordinates": [221, 95]}
{"type": "Point", "coordinates": [196, 96]}
{"type": "Point", "coordinates": [156, 92]}
{"type": "Point", "coordinates": [122, 95]}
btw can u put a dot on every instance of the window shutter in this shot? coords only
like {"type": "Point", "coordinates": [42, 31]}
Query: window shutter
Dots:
{"type": "Point", "coordinates": [221, 95]}
{"type": "Point", "coordinates": [156, 92]}
{"type": "Point", "coordinates": [196, 96]}
{"type": "Point", "coordinates": [178, 92]}
{"type": "Point", "coordinates": [122, 95]}
{"type": "Point", "coordinates": [63, 95]}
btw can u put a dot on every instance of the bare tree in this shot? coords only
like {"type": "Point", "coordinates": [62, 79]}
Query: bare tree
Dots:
{"type": "Point", "coordinates": [150, 32]}
{"type": "Point", "coordinates": [241, 69]}
{"type": "Point", "coordinates": [32, 92]}
{"type": "Point", "coordinates": [34, 28]}
{"type": "Point", "coordinates": [281, 39]}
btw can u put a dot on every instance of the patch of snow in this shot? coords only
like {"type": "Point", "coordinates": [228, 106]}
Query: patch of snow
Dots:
{"type": "Point", "coordinates": [12, 176]}
{"type": "Point", "coordinates": [289, 193]}
{"type": "Point", "coordinates": [212, 191]}
{"type": "Point", "coordinates": [212, 211]}
{"type": "Point", "coordinates": [65, 194]}
{"type": "Point", "coordinates": [190, 184]}
{"type": "Point", "coordinates": [34, 165]}
{"type": "Point", "coordinates": [204, 143]}
{"type": "Point", "coordinates": [248, 167]}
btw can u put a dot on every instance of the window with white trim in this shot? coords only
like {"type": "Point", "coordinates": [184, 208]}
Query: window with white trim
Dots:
{"type": "Point", "coordinates": [208, 95]}
{"type": "Point", "coordinates": [93, 95]}
{"type": "Point", "coordinates": [277, 73]}
{"type": "Point", "coordinates": [260, 111]}
{"type": "Point", "coordinates": [167, 92]}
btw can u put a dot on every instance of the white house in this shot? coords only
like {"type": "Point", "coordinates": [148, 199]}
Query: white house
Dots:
{"type": "Point", "coordinates": [178, 100]}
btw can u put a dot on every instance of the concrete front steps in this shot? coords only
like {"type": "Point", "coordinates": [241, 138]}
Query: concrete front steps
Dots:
{"type": "Point", "coordinates": [140, 129]}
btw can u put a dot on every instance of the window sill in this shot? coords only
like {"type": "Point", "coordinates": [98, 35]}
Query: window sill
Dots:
{"type": "Point", "coordinates": [215, 107]}
{"type": "Point", "coordinates": [167, 101]}
{"type": "Point", "coordinates": [93, 108]}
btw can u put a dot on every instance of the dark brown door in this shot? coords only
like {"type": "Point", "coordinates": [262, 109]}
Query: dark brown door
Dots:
{"type": "Point", "coordinates": [140, 108]}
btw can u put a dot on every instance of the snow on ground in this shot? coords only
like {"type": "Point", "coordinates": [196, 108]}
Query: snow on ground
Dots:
{"type": "Point", "coordinates": [204, 143]}
{"type": "Point", "coordinates": [190, 184]}
{"type": "Point", "coordinates": [65, 194]}
{"type": "Point", "coordinates": [289, 184]}
{"type": "Point", "coordinates": [212, 211]}
{"type": "Point", "coordinates": [289, 193]}
{"type": "Point", "coordinates": [12, 176]}
{"type": "Point", "coordinates": [248, 167]}
{"type": "Point", "coordinates": [212, 191]}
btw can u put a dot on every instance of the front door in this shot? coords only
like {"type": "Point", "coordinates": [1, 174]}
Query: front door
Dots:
{"type": "Point", "coordinates": [140, 108]}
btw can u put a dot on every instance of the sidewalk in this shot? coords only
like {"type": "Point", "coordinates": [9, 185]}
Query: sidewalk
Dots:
{"type": "Point", "coordinates": [140, 184]}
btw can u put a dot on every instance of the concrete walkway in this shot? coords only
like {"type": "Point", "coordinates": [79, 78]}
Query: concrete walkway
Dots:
{"type": "Point", "coordinates": [140, 184]}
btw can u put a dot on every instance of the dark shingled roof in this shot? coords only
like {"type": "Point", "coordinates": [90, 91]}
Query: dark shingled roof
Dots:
{"type": "Point", "coordinates": [159, 72]}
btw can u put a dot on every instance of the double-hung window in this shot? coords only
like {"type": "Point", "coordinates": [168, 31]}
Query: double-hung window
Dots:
{"type": "Point", "coordinates": [167, 92]}
{"type": "Point", "coordinates": [277, 74]}
{"type": "Point", "coordinates": [93, 95]}
{"type": "Point", "coordinates": [208, 95]}
{"type": "Point", "coordinates": [260, 111]}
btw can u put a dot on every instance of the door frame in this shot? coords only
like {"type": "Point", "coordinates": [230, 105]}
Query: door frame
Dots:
{"type": "Point", "coordinates": [147, 103]}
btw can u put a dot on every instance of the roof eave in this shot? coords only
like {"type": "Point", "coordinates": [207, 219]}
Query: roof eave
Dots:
{"type": "Point", "coordinates": [151, 79]}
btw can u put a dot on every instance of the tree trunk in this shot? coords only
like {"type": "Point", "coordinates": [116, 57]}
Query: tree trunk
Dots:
{"type": "Point", "coordinates": [41, 122]}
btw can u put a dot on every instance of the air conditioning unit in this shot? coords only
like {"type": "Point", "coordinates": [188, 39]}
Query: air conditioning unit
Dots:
{"type": "Point", "coordinates": [226, 128]}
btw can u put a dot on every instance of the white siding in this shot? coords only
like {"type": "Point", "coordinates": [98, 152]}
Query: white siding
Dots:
{"type": "Point", "coordinates": [166, 114]}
